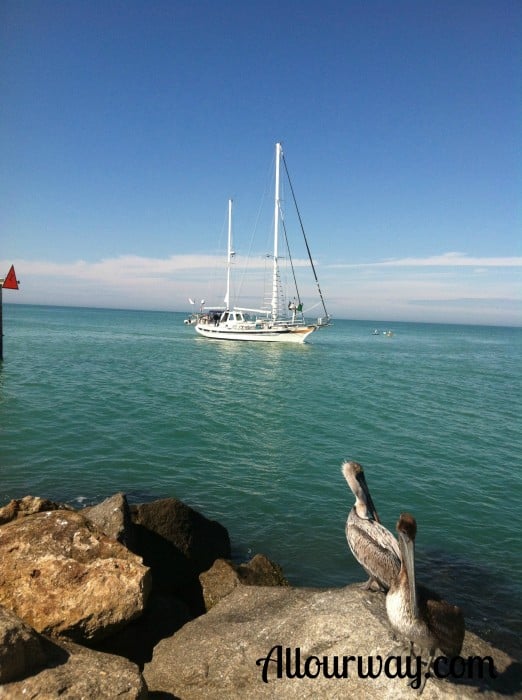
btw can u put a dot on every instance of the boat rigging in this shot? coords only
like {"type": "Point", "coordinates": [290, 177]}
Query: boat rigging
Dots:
{"type": "Point", "coordinates": [280, 321]}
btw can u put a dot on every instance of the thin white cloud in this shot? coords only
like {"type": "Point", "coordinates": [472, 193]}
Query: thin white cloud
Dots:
{"type": "Point", "coordinates": [126, 266]}
{"type": "Point", "coordinates": [452, 259]}
{"type": "Point", "coordinates": [138, 267]}
{"type": "Point", "coordinates": [122, 266]}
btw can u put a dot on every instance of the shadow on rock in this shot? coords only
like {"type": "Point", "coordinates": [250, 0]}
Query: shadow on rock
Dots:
{"type": "Point", "coordinates": [163, 616]}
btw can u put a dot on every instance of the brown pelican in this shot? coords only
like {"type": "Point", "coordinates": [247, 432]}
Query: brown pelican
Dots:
{"type": "Point", "coordinates": [374, 547]}
{"type": "Point", "coordinates": [415, 613]}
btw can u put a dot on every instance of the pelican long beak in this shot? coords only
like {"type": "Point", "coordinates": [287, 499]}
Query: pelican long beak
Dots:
{"type": "Point", "coordinates": [407, 547]}
{"type": "Point", "coordinates": [371, 511]}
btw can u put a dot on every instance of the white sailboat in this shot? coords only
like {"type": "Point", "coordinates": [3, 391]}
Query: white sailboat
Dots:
{"type": "Point", "coordinates": [279, 322]}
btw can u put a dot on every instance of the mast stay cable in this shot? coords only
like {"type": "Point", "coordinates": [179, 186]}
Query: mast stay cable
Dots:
{"type": "Point", "coordinates": [305, 239]}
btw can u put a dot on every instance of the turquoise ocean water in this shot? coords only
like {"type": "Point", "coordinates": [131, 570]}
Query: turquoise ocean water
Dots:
{"type": "Point", "coordinates": [253, 435]}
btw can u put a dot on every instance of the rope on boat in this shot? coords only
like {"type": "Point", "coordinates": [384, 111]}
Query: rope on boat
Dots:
{"type": "Point", "coordinates": [304, 236]}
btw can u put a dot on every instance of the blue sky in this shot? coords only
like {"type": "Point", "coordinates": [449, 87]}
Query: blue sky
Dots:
{"type": "Point", "coordinates": [126, 126]}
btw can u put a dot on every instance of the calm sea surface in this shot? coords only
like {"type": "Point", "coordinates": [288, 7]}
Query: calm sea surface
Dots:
{"type": "Point", "coordinates": [253, 435]}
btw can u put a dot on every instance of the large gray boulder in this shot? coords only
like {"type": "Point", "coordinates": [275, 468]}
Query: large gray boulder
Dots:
{"type": "Point", "coordinates": [74, 672]}
{"type": "Point", "coordinates": [63, 576]}
{"type": "Point", "coordinates": [256, 634]}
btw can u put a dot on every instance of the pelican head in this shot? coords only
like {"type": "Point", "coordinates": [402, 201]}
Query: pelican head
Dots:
{"type": "Point", "coordinates": [407, 529]}
{"type": "Point", "coordinates": [354, 475]}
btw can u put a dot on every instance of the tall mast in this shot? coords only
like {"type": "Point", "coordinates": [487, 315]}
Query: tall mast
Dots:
{"type": "Point", "coordinates": [275, 274]}
{"type": "Point", "coordinates": [230, 254]}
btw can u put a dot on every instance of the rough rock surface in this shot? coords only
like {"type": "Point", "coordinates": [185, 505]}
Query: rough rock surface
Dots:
{"type": "Point", "coordinates": [112, 516]}
{"type": "Point", "coordinates": [224, 576]}
{"type": "Point", "coordinates": [21, 650]}
{"type": "Point", "coordinates": [62, 576]}
{"type": "Point", "coordinates": [28, 505]}
{"type": "Point", "coordinates": [178, 543]}
{"type": "Point", "coordinates": [261, 571]}
{"type": "Point", "coordinates": [199, 539]}
{"type": "Point", "coordinates": [215, 656]}
{"type": "Point", "coordinates": [75, 672]}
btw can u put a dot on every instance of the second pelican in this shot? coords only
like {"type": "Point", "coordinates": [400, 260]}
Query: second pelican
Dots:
{"type": "Point", "coordinates": [374, 547]}
{"type": "Point", "coordinates": [415, 613]}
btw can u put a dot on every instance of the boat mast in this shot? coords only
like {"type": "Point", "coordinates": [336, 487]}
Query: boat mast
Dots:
{"type": "Point", "coordinates": [230, 254]}
{"type": "Point", "coordinates": [275, 274]}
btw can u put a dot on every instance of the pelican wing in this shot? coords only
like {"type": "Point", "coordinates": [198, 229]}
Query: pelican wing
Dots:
{"type": "Point", "coordinates": [446, 622]}
{"type": "Point", "coordinates": [374, 547]}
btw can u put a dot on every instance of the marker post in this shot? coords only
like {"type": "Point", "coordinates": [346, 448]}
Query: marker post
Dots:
{"type": "Point", "coordinates": [10, 282]}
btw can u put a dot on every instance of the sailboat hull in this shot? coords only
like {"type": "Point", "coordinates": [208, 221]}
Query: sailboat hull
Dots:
{"type": "Point", "coordinates": [283, 334]}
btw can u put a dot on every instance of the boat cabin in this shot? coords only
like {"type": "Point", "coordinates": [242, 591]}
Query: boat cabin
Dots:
{"type": "Point", "coordinates": [232, 317]}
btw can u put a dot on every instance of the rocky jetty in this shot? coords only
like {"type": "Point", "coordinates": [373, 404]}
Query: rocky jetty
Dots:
{"type": "Point", "coordinates": [144, 601]}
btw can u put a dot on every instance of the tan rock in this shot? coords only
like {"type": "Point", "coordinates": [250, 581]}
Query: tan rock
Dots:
{"type": "Point", "coordinates": [218, 582]}
{"type": "Point", "coordinates": [62, 576]}
{"type": "Point", "coordinates": [28, 505]}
